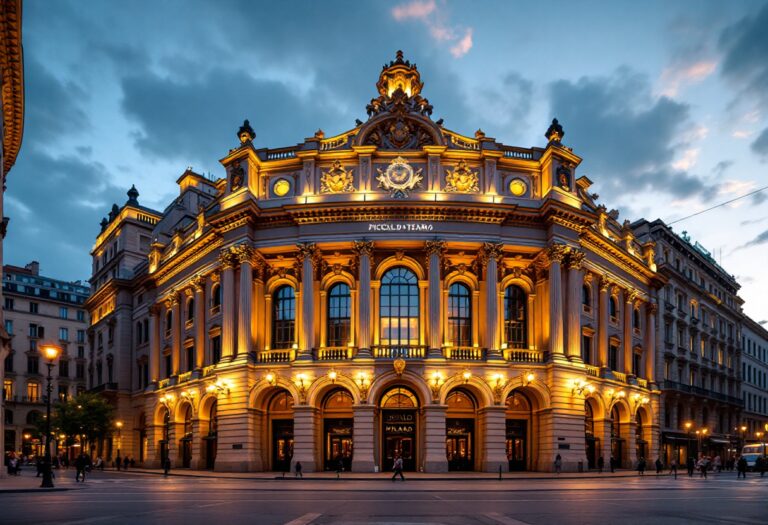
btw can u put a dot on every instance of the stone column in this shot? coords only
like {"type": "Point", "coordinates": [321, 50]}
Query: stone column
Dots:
{"type": "Point", "coordinates": [602, 324]}
{"type": "Point", "coordinates": [575, 282]}
{"type": "Point", "coordinates": [309, 256]}
{"type": "Point", "coordinates": [363, 458]}
{"type": "Point", "coordinates": [490, 254]}
{"type": "Point", "coordinates": [228, 261]}
{"type": "Point", "coordinates": [556, 253]}
{"type": "Point", "coordinates": [244, 255]}
{"type": "Point", "coordinates": [364, 250]}
{"type": "Point", "coordinates": [649, 352]}
{"type": "Point", "coordinates": [175, 304]}
{"type": "Point", "coordinates": [629, 307]}
{"type": "Point", "coordinates": [259, 328]}
{"type": "Point", "coordinates": [434, 251]}
{"type": "Point", "coordinates": [304, 449]}
{"type": "Point", "coordinates": [154, 343]}
{"type": "Point", "coordinates": [198, 283]}
{"type": "Point", "coordinates": [494, 424]}
{"type": "Point", "coordinates": [434, 443]}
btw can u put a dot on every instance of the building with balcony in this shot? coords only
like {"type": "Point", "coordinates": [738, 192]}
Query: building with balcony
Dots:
{"type": "Point", "coordinates": [754, 381]}
{"type": "Point", "coordinates": [36, 310]}
{"type": "Point", "coordinates": [399, 289]}
{"type": "Point", "coordinates": [699, 359]}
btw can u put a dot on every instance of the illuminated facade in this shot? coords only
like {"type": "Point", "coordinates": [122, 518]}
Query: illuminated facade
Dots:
{"type": "Point", "coordinates": [398, 289]}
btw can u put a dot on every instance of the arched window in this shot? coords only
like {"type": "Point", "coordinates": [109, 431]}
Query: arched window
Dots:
{"type": "Point", "coordinates": [399, 397]}
{"type": "Point", "coordinates": [612, 307]}
{"type": "Point", "coordinates": [216, 295]}
{"type": "Point", "coordinates": [399, 308]}
{"type": "Point", "coordinates": [586, 295]}
{"type": "Point", "coordinates": [187, 421]}
{"type": "Point", "coordinates": [339, 308]}
{"type": "Point", "coordinates": [460, 314]}
{"type": "Point", "coordinates": [589, 420]}
{"type": "Point", "coordinates": [191, 309]}
{"type": "Point", "coordinates": [516, 317]}
{"type": "Point", "coordinates": [283, 317]}
{"type": "Point", "coordinates": [168, 320]}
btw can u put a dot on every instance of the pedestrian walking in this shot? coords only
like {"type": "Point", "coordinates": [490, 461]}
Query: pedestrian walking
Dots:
{"type": "Point", "coordinates": [613, 463]}
{"type": "Point", "coordinates": [125, 463]}
{"type": "Point", "coordinates": [641, 466]}
{"type": "Point", "coordinates": [691, 465]}
{"type": "Point", "coordinates": [741, 468]}
{"type": "Point", "coordinates": [81, 462]}
{"type": "Point", "coordinates": [673, 467]}
{"type": "Point", "coordinates": [760, 465]}
{"type": "Point", "coordinates": [558, 464]}
{"type": "Point", "coordinates": [297, 469]}
{"type": "Point", "coordinates": [600, 464]}
{"type": "Point", "coordinates": [659, 467]}
{"type": "Point", "coordinates": [397, 467]}
{"type": "Point", "coordinates": [118, 461]}
{"type": "Point", "coordinates": [339, 467]}
{"type": "Point", "coordinates": [166, 465]}
{"type": "Point", "coordinates": [702, 465]}
{"type": "Point", "coordinates": [717, 464]}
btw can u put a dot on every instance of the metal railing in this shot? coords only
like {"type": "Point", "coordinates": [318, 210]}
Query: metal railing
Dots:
{"type": "Point", "coordinates": [593, 371]}
{"type": "Point", "coordinates": [283, 355]}
{"type": "Point", "coordinates": [399, 351]}
{"type": "Point", "coordinates": [335, 353]}
{"type": "Point", "coordinates": [522, 355]}
{"type": "Point", "coordinates": [464, 353]}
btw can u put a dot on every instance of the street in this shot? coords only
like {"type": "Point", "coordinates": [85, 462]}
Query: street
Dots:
{"type": "Point", "coordinates": [132, 498]}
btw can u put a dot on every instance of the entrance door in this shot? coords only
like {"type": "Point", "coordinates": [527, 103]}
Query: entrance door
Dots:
{"type": "Point", "coordinates": [399, 432]}
{"type": "Point", "coordinates": [516, 444]}
{"type": "Point", "coordinates": [211, 445]}
{"type": "Point", "coordinates": [617, 452]}
{"type": "Point", "coordinates": [282, 444]}
{"type": "Point", "coordinates": [338, 443]}
{"type": "Point", "coordinates": [459, 444]}
{"type": "Point", "coordinates": [186, 453]}
{"type": "Point", "coordinates": [593, 451]}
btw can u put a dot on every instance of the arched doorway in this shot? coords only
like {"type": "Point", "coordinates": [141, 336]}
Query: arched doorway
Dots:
{"type": "Point", "coordinates": [280, 416]}
{"type": "Point", "coordinates": [165, 417]}
{"type": "Point", "coordinates": [142, 429]}
{"type": "Point", "coordinates": [185, 442]}
{"type": "Point", "coordinates": [519, 417]}
{"type": "Point", "coordinates": [460, 430]}
{"type": "Point", "coordinates": [399, 416]}
{"type": "Point", "coordinates": [641, 444]}
{"type": "Point", "coordinates": [338, 424]}
{"type": "Point", "coordinates": [591, 439]}
{"type": "Point", "coordinates": [210, 436]}
{"type": "Point", "coordinates": [617, 438]}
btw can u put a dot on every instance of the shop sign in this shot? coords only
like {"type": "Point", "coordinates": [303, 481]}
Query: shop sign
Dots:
{"type": "Point", "coordinates": [400, 227]}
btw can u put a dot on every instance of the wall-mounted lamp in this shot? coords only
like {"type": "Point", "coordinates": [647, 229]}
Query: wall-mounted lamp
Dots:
{"type": "Point", "coordinates": [434, 384]}
{"type": "Point", "coordinates": [639, 399]}
{"type": "Point", "coordinates": [332, 375]}
{"type": "Point", "coordinates": [363, 384]}
{"type": "Point", "coordinates": [528, 378]}
{"type": "Point", "coordinates": [271, 378]}
{"type": "Point", "coordinates": [167, 400]}
{"type": "Point", "coordinates": [218, 386]}
{"type": "Point", "coordinates": [466, 376]}
{"type": "Point", "coordinates": [580, 386]}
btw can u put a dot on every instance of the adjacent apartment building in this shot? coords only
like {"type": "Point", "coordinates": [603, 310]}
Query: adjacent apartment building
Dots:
{"type": "Point", "coordinates": [754, 386]}
{"type": "Point", "coordinates": [37, 309]}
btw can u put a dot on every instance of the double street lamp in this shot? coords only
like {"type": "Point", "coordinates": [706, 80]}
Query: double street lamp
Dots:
{"type": "Point", "coordinates": [51, 352]}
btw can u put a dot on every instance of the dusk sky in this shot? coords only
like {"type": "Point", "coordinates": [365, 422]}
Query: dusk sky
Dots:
{"type": "Point", "coordinates": [666, 102]}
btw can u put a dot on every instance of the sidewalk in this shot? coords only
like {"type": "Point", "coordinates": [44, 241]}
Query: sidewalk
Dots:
{"type": "Point", "coordinates": [371, 476]}
{"type": "Point", "coordinates": [28, 482]}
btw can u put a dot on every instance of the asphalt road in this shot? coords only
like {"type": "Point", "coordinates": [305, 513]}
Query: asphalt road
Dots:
{"type": "Point", "coordinates": [118, 498]}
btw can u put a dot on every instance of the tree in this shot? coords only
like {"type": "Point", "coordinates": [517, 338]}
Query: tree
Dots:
{"type": "Point", "coordinates": [88, 415]}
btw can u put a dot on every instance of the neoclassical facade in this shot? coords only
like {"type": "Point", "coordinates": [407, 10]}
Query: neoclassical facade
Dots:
{"type": "Point", "coordinates": [398, 289]}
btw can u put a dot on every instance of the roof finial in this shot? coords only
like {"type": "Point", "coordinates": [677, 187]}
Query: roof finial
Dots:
{"type": "Point", "coordinates": [554, 132]}
{"type": "Point", "coordinates": [246, 133]}
{"type": "Point", "coordinates": [133, 196]}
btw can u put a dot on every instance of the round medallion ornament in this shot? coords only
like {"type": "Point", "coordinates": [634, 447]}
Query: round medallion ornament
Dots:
{"type": "Point", "coordinates": [517, 187]}
{"type": "Point", "coordinates": [399, 178]}
{"type": "Point", "coordinates": [281, 187]}
{"type": "Point", "coordinates": [399, 366]}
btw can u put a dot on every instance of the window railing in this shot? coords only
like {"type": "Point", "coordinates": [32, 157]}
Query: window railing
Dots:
{"type": "Point", "coordinates": [335, 353]}
{"type": "Point", "coordinates": [642, 383]}
{"type": "Point", "coordinates": [208, 370]}
{"type": "Point", "coordinates": [593, 371]}
{"type": "Point", "coordinates": [399, 351]}
{"type": "Point", "coordinates": [164, 383]}
{"type": "Point", "coordinates": [523, 355]}
{"type": "Point", "coordinates": [284, 355]}
{"type": "Point", "coordinates": [184, 376]}
{"type": "Point", "coordinates": [619, 376]}
{"type": "Point", "coordinates": [464, 353]}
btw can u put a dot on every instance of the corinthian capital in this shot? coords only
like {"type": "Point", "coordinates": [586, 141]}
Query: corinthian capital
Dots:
{"type": "Point", "coordinates": [575, 259]}
{"type": "Point", "coordinates": [605, 283]}
{"type": "Point", "coordinates": [556, 252]}
{"type": "Point", "coordinates": [491, 250]}
{"type": "Point", "coordinates": [435, 246]}
{"type": "Point", "coordinates": [227, 259]}
{"type": "Point", "coordinates": [309, 250]}
{"type": "Point", "coordinates": [364, 248]}
{"type": "Point", "coordinates": [242, 253]}
{"type": "Point", "coordinates": [198, 283]}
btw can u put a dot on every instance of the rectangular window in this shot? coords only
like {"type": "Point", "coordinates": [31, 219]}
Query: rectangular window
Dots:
{"type": "Point", "coordinates": [33, 308]}
{"type": "Point", "coordinates": [33, 391]}
{"type": "Point", "coordinates": [81, 315]}
{"type": "Point", "coordinates": [81, 336]}
{"type": "Point", "coordinates": [586, 349]}
{"type": "Point", "coordinates": [62, 393]}
{"type": "Point", "coordinates": [9, 363]}
{"type": "Point", "coordinates": [64, 334]}
{"type": "Point", "coordinates": [80, 371]}
{"type": "Point", "coordinates": [215, 349]}
{"type": "Point", "coordinates": [637, 359]}
{"type": "Point", "coordinates": [8, 389]}
{"type": "Point", "coordinates": [9, 326]}
{"type": "Point", "coordinates": [667, 365]}
{"type": "Point", "coordinates": [8, 303]}
{"type": "Point", "coordinates": [168, 365]}
{"type": "Point", "coordinates": [33, 364]}
{"type": "Point", "coordinates": [63, 368]}
{"type": "Point", "coordinates": [613, 357]}
{"type": "Point", "coordinates": [190, 358]}
{"type": "Point", "coordinates": [81, 352]}
{"type": "Point", "coordinates": [63, 312]}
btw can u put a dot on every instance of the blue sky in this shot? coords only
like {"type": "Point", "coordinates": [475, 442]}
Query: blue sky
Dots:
{"type": "Point", "coordinates": [667, 102]}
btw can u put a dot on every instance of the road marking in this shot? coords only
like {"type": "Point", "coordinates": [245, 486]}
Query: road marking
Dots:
{"type": "Point", "coordinates": [504, 520]}
{"type": "Point", "coordinates": [214, 504]}
{"type": "Point", "coordinates": [306, 519]}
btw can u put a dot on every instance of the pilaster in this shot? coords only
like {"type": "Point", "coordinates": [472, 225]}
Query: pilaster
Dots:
{"type": "Point", "coordinates": [363, 459]}
{"type": "Point", "coordinates": [434, 442]}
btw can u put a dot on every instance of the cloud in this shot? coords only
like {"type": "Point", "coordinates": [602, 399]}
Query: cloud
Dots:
{"type": "Point", "coordinates": [690, 156]}
{"type": "Point", "coordinates": [675, 77]}
{"type": "Point", "coordinates": [762, 238]}
{"type": "Point", "coordinates": [457, 38]}
{"type": "Point", "coordinates": [721, 167]}
{"type": "Point", "coordinates": [628, 138]}
{"type": "Point", "coordinates": [760, 145]}
{"type": "Point", "coordinates": [415, 9]}
{"type": "Point", "coordinates": [752, 221]}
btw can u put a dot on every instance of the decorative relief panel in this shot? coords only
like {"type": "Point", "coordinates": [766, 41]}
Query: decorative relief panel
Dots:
{"type": "Point", "coordinates": [461, 179]}
{"type": "Point", "coordinates": [399, 178]}
{"type": "Point", "coordinates": [337, 179]}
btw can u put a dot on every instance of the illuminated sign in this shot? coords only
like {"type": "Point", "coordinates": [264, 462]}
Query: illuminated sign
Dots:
{"type": "Point", "coordinates": [400, 227]}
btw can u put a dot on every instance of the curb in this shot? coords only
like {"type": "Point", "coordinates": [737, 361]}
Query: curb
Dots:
{"type": "Point", "coordinates": [38, 489]}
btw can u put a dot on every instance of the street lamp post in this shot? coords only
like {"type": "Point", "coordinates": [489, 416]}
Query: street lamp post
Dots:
{"type": "Point", "coordinates": [760, 439]}
{"type": "Point", "coordinates": [51, 353]}
{"type": "Point", "coordinates": [119, 425]}
{"type": "Point", "coordinates": [688, 426]}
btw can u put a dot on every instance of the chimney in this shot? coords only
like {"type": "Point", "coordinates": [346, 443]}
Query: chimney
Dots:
{"type": "Point", "coordinates": [33, 267]}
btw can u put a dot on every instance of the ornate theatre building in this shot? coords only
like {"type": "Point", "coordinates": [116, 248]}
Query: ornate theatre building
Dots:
{"type": "Point", "coordinates": [399, 289]}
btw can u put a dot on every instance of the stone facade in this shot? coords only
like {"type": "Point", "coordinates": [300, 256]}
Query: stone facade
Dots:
{"type": "Point", "coordinates": [398, 289]}
{"type": "Point", "coordinates": [36, 310]}
{"type": "Point", "coordinates": [754, 381]}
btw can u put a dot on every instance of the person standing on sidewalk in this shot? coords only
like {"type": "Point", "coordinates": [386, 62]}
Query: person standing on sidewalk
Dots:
{"type": "Point", "coordinates": [118, 461]}
{"type": "Point", "coordinates": [558, 464]}
{"type": "Point", "coordinates": [166, 465]}
{"type": "Point", "coordinates": [741, 468]}
{"type": "Point", "coordinates": [600, 464]}
{"type": "Point", "coordinates": [641, 466]}
{"type": "Point", "coordinates": [125, 462]}
{"type": "Point", "coordinates": [691, 464]}
{"type": "Point", "coordinates": [659, 467]}
{"type": "Point", "coordinates": [673, 467]}
{"type": "Point", "coordinates": [298, 473]}
{"type": "Point", "coordinates": [398, 468]}
{"type": "Point", "coordinates": [80, 463]}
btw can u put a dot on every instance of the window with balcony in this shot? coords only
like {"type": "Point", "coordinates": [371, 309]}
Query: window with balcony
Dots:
{"type": "Point", "coordinates": [216, 297]}
{"type": "Point", "coordinates": [215, 349]}
{"type": "Point", "coordinates": [33, 364]}
{"type": "Point", "coordinates": [515, 317]}
{"type": "Point", "coordinates": [613, 308]}
{"type": "Point", "coordinates": [586, 349]}
{"type": "Point", "coordinates": [33, 391]}
{"type": "Point", "coordinates": [460, 315]}
{"type": "Point", "coordinates": [339, 310]}
{"type": "Point", "coordinates": [399, 307]}
{"type": "Point", "coordinates": [283, 317]}
{"type": "Point", "coordinates": [8, 389]}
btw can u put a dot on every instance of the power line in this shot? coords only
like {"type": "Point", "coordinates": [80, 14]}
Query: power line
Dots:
{"type": "Point", "coordinates": [719, 205]}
